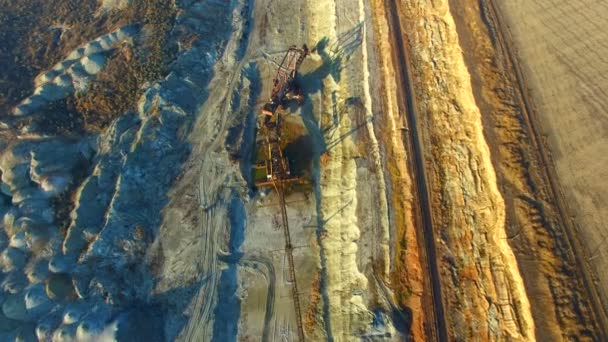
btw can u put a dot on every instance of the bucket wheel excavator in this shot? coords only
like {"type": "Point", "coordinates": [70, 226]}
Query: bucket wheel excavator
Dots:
{"type": "Point", "coordinates": [284, 86]}
{"type": "Point", "coordinates": [270, 160]}
{"type": "Point", "coordinates": [284, 90]}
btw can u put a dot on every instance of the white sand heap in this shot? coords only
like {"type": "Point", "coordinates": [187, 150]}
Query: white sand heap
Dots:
{"type": "Point", "coordinates": [71, 315]}
{"type": "Point", "coordinates": [19, 241]}
{"type": "Point", "coordinates": [93, 47]}
{"type": "Point", "coordinates": [74, 73]}
{"type": "Point", "coordinates": [93, 64]}
{"type": "Point", "coordinates": [12, 258]}
{"type": "Point", "coordinates": [32, 173]}
{"type": "Point", "coordinates": [55, 184]}
{"type": "Point", "coordinates": [114, 4]}
{"type": "Point", "coordinates": [110, 206]}
{"type": "Point", "coordinates": [14, 307]}
{"type": "Point", "coordinates": [37, 302]}
{"type": "Point", "coordinates": [43, 331]}
{"type": "Point", "coordinates": [64, 334]}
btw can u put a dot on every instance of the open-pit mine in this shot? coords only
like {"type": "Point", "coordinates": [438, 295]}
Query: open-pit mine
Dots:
{"type": "Point", "coordinates": [304, 170]}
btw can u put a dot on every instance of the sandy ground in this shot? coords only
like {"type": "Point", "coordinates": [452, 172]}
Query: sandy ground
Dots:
{"type": "Point", "coordinates": [562, 47]}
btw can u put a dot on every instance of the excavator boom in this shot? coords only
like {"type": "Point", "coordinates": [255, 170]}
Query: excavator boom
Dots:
{"type": "Point", "coordinates": [283, 84]}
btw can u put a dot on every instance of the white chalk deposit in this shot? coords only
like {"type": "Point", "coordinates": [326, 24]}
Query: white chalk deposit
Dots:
{"type": "Point", "coordinates": [347, 316]}
{"type": "Point", "coordinates": [82, 274]}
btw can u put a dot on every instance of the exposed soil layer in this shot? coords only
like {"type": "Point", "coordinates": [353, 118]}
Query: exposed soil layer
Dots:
{"type": "Point", "coordinates": [482, 288]}
{"type": "Point", "coordinates": [560, 306]}
{"type": "Point", "coordinates": [406, 274]}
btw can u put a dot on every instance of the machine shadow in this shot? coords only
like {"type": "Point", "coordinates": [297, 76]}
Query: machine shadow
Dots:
{"type": "Point", "coordinates": [332, 64]}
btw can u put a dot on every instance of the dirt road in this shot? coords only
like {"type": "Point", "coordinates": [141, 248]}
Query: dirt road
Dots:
{"type": "Point", "coordinates": [434, 309]}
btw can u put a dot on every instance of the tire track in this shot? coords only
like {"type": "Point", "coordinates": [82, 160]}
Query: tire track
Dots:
{"type": "Point", "coordinates": [271, 278]}
{"type": "Point", "coordinates": [213, 181]}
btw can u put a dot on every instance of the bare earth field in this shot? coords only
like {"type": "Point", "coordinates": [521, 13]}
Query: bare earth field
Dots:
{"type": "Point", "coordinates": [562, 48]}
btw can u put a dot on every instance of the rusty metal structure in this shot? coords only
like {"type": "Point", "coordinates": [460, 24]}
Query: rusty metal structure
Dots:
{"type": "Point", "coordinates": [272, 167]}
{"type": "Point", "coordinates": [271, 159]}
{"type": "Point", "coordinates": [284, 88]}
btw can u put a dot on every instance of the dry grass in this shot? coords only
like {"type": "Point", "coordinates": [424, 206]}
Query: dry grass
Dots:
{"type": "Point", "coordinates": [37, 34]}
{"type": "Point", "coordinates": [115, 91]}
{"type": "Point", "coordinates": [119, 87]}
